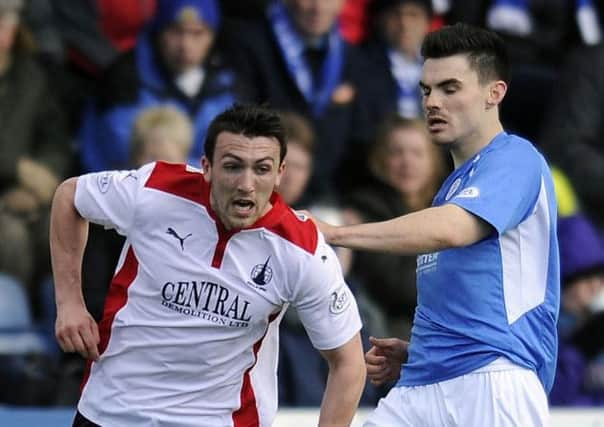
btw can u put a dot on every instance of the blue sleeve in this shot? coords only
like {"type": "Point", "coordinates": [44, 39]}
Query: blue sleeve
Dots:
{"type": "Point", "coordinates": [503, 186]}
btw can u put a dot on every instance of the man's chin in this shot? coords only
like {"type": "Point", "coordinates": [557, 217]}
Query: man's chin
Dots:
{"type": "Point", "coordinates": [242, 221]}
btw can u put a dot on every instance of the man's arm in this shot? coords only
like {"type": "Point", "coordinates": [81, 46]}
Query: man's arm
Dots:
{"type": "Point", "coordinates": [345, 383]}
{"type": "Point", "coordinates": [75, 329]}
{"type": "Point", "coordinates": [424, 231]}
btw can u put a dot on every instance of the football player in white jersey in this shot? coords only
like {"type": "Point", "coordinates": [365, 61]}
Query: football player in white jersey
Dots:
{"type": "Point", "coordinates": [483, 344]}
{"type": "Point", "coordinates": [211, 262]}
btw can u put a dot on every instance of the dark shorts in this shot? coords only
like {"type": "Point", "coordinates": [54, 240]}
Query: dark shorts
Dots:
{"type": "Point", "coordinates": [81, 421]}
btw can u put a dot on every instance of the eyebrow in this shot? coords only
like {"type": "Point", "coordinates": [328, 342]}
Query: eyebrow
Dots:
{"type": "Point", "coordinates": [239, 159]}
{"type": "Point", "coordinates": [443, 83]}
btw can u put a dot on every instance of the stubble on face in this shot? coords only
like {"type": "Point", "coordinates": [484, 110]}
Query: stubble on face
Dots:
{"type": "Point", "coordinates": [453, 99]}
{"type": "Point", "coordinates": [243, 175]}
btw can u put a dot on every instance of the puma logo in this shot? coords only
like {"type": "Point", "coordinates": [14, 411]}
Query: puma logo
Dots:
{"type": "Point", "coordinates": [171, 232]}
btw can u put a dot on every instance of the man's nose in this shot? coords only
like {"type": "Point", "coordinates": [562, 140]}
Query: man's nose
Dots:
{"type": "Point", "coordinates": [246, 181]}
{"type": "Point", "coordinates": [432, 101]}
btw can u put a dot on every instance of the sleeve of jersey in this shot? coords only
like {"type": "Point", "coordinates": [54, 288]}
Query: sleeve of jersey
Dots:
{"type": "Point", "coordinates": [325, 304]}
{"type": "Point", "coordinates": [108, 198]}
{"type": "Point", "coordinates": [503, 189]}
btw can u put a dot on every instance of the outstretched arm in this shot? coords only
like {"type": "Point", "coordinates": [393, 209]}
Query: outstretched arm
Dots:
{"type": "Point", "coordinates": [75, 329]}
{"type": "Point", "coordinates": [345, 383]}
{"type": "Point", "coordinates": [423, 231]}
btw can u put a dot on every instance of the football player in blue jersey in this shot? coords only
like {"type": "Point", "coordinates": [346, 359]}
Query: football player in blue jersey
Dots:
{"type": "Point", "coordinates": [483, 344]}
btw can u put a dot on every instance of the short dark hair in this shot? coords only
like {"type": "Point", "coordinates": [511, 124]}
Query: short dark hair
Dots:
{"type": "Point", "coordinates": [249, 120]}
{"type": "Point", "coordinates": [487, 52]}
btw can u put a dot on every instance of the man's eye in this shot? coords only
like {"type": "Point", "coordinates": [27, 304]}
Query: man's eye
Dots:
{"type": "Point", "coordinates": [231, 166]}
{"type": "Point", "coordinates": [263, 169]}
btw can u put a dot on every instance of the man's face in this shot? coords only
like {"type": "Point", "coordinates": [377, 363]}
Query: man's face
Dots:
{"type": "Point", "coordinates": [405, 27]}
{"type": "Point", "coordinates": [454, 100]}
{"type": "Point", "coordinates": [185, 45]}
{"type": "Point", "coordinates": [243, 175]}
{"type": "Point", "coordinates": [314, 18]}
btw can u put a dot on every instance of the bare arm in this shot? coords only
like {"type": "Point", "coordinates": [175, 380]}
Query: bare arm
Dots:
{"type": "Point", "coordinates": [345, 383]}
{"type": "Point", "coordinates": [423, 231]}
{"type": "Point", "coordinates": [76, 330]}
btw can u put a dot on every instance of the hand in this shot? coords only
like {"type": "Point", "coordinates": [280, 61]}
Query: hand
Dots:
{"type": "Point", "coordinates": [37, 178]}
{"type": "Point", "coordinates": [77, 331]}
{"type": "Point", "coordinates": [384, 359]}
{"type": "Point", "coordinates": [325, 228]}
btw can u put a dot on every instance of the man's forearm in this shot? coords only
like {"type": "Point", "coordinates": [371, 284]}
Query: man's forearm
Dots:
{"type": "Point", "coordinates": [424, 231]}
{"type": "Point", "coordinates": [345, 384]}
{"type": "Point", "coordinates": [68, 235]}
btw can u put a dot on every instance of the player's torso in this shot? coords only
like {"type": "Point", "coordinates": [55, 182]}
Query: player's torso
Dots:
{"type": "Point", "coordinates": [197, 310]}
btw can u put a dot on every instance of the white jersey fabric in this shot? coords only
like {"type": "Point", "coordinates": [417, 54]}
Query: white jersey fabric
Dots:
{"type": "Point", "coordinates": [189, 334]}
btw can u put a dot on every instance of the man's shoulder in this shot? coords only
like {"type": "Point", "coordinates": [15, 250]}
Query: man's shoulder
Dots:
{"type": "Point", "coordinates": [179, 180]}
{"type": "Point", "coordinates": [296, 228]}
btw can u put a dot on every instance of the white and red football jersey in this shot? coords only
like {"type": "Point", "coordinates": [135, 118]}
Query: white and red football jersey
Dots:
{"type": "Point", "coordinates": [189, 334]}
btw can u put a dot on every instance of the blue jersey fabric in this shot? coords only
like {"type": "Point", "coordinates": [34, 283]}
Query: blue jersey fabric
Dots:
{"type": "Point", "coordinates": [499, 296]}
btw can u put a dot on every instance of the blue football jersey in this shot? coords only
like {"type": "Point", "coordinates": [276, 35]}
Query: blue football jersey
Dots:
{"type": "Point", "coordinates": [499, 296]}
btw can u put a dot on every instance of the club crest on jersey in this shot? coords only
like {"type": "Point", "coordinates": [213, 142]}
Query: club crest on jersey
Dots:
{"type": "Point", "coordinates": [340, 300]}
{"type": "Point", "coordinates": [261, 275]}
{"type": "Point", "coordinates": [104, 181]}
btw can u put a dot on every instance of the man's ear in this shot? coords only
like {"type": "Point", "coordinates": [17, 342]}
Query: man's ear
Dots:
{"type": "Point", "coordinates": [280, 172]}
{"type": "Point", "coordinates": [207, 168]}
{"type": "Point", "coordinates": [497, 91]}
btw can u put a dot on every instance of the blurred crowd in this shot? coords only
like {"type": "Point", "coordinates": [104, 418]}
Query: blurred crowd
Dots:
{"type": "Point", "coordinates": [89, 85]}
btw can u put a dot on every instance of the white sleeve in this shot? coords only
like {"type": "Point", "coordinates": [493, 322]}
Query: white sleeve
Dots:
{"type": "Point", "coordinates": [325, 304]}
{"type": "Point", "coordinates": [108, 198]}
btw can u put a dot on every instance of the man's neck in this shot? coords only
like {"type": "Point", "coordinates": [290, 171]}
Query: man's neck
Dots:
{"type": "Point", "coordinates": [463, 150]}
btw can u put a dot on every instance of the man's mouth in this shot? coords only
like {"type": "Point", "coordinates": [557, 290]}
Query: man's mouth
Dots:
{"type": "Point", "coordinates": [243, 207]}
{"type": "Point", "coordinates": [436, 124]}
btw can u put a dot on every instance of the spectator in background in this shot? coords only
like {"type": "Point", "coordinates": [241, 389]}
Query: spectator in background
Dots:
{"type": "Point", "coordinates": [161, 133]}
{"type": "Point", "coordinates": [579, 377]}
{"type": "Point", "coordinates": [93, 34]}
{"type": "Point", "coordinates": [35, 152]}
{"type": "Point", "coordinates": [406, 171]}
{"type": "Point", "coordinates": [571, 136]}
{"type": "Point", "coordinates": [298, 61]}
{"type": "Point", "coordinates": [398, 30]}
{"type": "Point", "coordinates": [175, 62]}
{"type": "Point", "coordinates": [299, 159]}
{"type": "Point", "coordinates": [394, 63]}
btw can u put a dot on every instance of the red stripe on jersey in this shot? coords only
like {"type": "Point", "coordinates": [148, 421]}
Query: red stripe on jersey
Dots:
{"type": "Point", "coordinates": [281, 220]}
{"type": "Point", "coordinates": [174, 178]}
{"type": "Point", "coordinates": [289, 226]}
{"type": "Point", "coordinates": [247, 414]}
{"type": "Point", "coordinates": [117, 297]}
{"type": "Point", "coordinates": [223, 239]}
